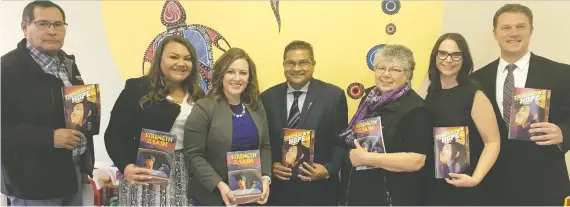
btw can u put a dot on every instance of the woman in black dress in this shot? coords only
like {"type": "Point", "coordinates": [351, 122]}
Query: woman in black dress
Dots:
{"type": "Point", "coordinates": [455, 100]}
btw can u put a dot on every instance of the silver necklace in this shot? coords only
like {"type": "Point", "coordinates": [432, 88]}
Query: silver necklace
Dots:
{"type": "Point", "coordinates": [242, 112]}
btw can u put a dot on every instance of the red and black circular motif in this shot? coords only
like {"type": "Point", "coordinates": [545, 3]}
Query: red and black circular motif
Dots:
{"type": "Point", "coordinates": [355, 90]}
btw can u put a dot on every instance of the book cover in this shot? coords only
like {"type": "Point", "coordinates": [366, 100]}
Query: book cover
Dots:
{"type": "Point", "coordinates": [244, 175]}
{"type": "Point", "coordinates": [529, 106]}
{"type": "Point", "coordinates": [82, 108]}
{"type": "Point", "coordinates": [368, 133]}
{"type": "Point", "coordinates": [156, 153]}
{"type": "Point", "coordinates": [451, 150]}
{"type": "Point", "coordinates": [298, 147]}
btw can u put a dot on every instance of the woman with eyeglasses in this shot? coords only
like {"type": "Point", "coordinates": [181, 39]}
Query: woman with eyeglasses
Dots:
{"type": "Point", "coordinates": [455, 100]}
{"type": "Point", "coordinates": [397, 175]}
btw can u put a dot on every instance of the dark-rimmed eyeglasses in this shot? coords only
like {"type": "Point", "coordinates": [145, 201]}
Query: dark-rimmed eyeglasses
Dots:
{"type": "Point", "coordinates": [442, 55]}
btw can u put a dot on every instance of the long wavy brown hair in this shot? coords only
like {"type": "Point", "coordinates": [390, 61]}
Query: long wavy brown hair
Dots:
{"type": "Point", "coordinates": [158, 89]}
{"type": "Point", "coordinates": [250, 96]}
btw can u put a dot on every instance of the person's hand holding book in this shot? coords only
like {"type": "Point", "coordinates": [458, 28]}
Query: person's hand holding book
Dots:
{"type": "Point", "coordinates": [265, 193]}
{"type": "Point", "coordinates": [548, 133]}
{"type": "Point", "coordinates": [137, 175]}
{"type": "Point", "coordinates": [358, 155]}
{"type": "Point", "coordinates": [66, 138]}
{"type": "Point", "coordinates": [462, 180]}
{"type": "Point", "coordinates": [226, 193]}
{"type": "Point", "coordinates": [281, 172]}
{"type": "Point", "coordinates": [310, 173]}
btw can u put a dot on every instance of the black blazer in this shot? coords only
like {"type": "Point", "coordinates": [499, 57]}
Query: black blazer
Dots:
{"type": "Point", "coordinates": [325, 111]}
{"type": "Point", "coordinates": [535, 175]}
{"type": "Point", "coordinates": [32, 108]}
{"type": "Point", "coordinates": [122, 137]}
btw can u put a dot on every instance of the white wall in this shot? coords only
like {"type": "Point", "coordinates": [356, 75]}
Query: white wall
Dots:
{"type": "Point", "coordinates": [474, 20]}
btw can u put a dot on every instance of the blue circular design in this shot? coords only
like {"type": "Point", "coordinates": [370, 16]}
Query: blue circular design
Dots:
{"type": "Point", "coordinates": [370, 56]}
{"type": "Point", "coordinates": [391, 7]}
{"type": "Point", "coordinates": [390, 29]}
{"type": "Point", "coordinates": [201, 44]}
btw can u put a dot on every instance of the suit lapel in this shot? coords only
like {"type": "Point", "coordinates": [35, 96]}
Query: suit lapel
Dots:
{"type": "Point", "coordinates": [258, 123]}
{"type": "Point", "coordinates": [281, 103]}
{"type": "Point", "coordinates": [535, 75]}
{"type": "Point", "coordinates": [490, 80]}
{"type": "Point", "coordinates": [225, 117]}
{"type": "Point", "coordinates": [309, 103]}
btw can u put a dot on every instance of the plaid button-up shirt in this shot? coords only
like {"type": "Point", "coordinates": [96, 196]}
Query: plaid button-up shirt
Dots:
{"type": "Point", "coordinates": [57, 68]}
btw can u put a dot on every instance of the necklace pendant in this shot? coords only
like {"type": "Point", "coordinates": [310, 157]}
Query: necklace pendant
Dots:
{"type": "Point", "coordinates": [242, 112]}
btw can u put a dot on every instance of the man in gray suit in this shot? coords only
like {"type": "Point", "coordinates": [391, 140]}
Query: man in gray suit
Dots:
{"type": "Point", "coordinates": [303, 102]}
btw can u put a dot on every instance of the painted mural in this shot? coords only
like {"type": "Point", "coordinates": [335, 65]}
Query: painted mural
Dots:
{"type": "Point", "coordinates": [203, 38]}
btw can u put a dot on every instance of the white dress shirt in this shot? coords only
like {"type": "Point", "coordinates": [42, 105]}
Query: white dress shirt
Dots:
{"type": "Point", "coordinates": [520, 75]}
{"type": "Point", "coordinates": [291, 97]}
{"type": "Point", "coordinates": [178, 127]}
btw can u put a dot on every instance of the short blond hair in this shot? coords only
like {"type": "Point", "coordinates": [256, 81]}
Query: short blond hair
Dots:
{"type": "Point", "coordinates": [513, 8]}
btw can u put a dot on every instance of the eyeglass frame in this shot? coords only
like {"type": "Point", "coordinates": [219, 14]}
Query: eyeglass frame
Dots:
{"type": "Point", "coordinates": [50, 24]}
{"type": "Point", "coordinates": [449, 54]}
{"type": "Point", "coordinates": [390, 70]}
{"type": "Point", "coordinates": [309, 63]}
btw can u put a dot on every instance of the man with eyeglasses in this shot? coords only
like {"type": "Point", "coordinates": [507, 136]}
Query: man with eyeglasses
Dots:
{"type": "Point", "coordinates": [527, 172]}
{"type": "Point", "coordinates": [303, 102]}
{"type": "Point", "coordinates": [42, 162]}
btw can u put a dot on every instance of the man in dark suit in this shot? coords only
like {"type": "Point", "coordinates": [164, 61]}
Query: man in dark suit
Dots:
{"type": "Point", "coordinates": [528, 172]}
{"type": "Point", "coordinates": [306, 103]}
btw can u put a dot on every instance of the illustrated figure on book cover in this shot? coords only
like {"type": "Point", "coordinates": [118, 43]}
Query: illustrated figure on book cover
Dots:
{"type": "Point", "coordinates": [298, 145]}
{"type": "Point", "coordinates": [82, 108]}
{"type": "Point", "coordinates": [529, 106]}
{"type": "Point", "coordinates": [451, 150]}
{"type": "Point", "coordinates": [156, 152]}
{"type": "Point", "coordinates": [244, 175]}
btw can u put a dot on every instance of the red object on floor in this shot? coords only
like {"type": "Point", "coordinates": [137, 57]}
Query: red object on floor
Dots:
{"type": "Point", "coordinates": [97, 200]}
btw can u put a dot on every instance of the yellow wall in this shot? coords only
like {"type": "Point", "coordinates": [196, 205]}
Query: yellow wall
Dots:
{"type": "Point", "coordinates": [342, 33]}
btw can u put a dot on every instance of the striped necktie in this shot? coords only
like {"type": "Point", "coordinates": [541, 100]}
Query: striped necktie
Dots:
{"type": "Point", "coordinates": [508, 91]}
{"type": "Point", "coordinates": [294, 113]}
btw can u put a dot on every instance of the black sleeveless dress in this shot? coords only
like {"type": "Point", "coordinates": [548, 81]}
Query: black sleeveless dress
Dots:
{"type": "Point", "coordinates": [452, 107]}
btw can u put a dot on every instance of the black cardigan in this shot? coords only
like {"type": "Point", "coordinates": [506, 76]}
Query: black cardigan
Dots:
{"type": "Point", "coordinates": [406, 127]}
